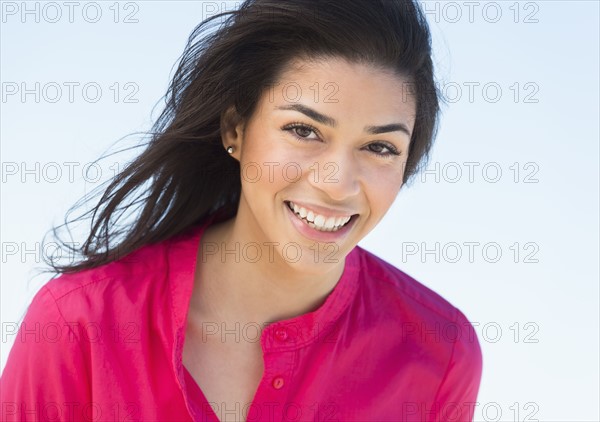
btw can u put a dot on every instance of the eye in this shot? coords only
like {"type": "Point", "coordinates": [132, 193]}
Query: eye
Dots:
{"type": "Point", "coordinates": [383, 149]}
{"type": "Point", "coordinates": [301, 131]}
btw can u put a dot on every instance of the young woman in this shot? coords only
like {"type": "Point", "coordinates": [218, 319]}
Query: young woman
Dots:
{"type": "Point", "coordinates": [238, 291]}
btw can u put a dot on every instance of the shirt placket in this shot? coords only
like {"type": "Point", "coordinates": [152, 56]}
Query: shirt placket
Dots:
{"type": "Point", "coordinates": [279, 356]}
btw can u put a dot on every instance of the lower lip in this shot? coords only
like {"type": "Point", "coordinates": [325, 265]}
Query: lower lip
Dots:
{"type": "Point", "coordinates": [315, 234]}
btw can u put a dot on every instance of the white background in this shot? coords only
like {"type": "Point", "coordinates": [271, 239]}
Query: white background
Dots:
{"type": "Point", "coordinates": [537, 318]}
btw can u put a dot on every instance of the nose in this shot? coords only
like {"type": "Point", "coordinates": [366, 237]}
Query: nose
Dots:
{"type": "Point", "coordinates": [337, 174]}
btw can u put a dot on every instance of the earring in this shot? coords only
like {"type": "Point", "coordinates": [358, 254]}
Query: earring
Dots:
{"type": "Point", "coordinates": [230, 149]}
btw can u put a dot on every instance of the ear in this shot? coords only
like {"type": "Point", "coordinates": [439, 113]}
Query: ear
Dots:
{"type": "Point", "coordinates": [232, 131]}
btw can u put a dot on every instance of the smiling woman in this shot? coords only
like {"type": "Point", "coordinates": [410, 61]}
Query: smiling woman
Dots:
{"type": "Point", "coordinates": [239, 291]}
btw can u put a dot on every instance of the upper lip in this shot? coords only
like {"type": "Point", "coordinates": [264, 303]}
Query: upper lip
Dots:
{"type": "Point", "coordinates": [324, 211]}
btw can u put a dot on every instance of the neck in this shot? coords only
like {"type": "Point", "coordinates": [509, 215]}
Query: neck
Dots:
{"type": "Point", "coordinates": [231, 285]}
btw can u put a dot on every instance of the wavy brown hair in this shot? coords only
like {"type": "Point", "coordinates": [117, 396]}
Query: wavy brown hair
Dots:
{"type": "Point", "coordinates": [184, 174]}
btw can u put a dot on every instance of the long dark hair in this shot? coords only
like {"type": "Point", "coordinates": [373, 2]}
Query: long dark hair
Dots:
{"type": "Point", "coordinates": [184, 174]}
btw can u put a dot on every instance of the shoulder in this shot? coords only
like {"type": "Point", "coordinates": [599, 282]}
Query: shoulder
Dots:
{"type": "Point", "coordinates": [124, 272]}
{"type": "Point", "coordinates": [119, 288]}
{"type": "Point", "coordinates": [399, 288]}
{"type": "Point", "coordinates": [423, 319]}
{"type": "Point", "coordinates": [419, 313]}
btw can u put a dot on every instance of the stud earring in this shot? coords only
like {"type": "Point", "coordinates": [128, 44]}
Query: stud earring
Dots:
{"type": "Point", "coordinates": [230, 149]}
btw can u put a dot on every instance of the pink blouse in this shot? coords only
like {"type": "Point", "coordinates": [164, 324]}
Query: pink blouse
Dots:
{"type": "Point", "coordinates": [106, 345]}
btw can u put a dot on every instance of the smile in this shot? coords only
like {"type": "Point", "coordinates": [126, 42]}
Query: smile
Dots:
{"type": "Point", "coordinates": [317, 221]}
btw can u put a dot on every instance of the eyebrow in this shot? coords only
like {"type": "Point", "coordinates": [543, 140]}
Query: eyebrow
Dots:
{"type": "Point", "coordinates": [330, 121]}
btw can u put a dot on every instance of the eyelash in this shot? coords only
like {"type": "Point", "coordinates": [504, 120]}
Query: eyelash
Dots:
{"type": "Point", "coordinates": [297, 125]}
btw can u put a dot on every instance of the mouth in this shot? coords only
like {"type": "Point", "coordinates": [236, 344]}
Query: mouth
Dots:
{"type": "Point", "coordinates": [320, 222]}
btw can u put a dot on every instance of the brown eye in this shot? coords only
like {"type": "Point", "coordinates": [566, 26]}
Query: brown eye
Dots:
{"type": "Point", "coordinates": [382, 149]}
{"type": "Point", "coordinates": [379, 148]}
{"type": "Point", "coordinates": [303, 131]}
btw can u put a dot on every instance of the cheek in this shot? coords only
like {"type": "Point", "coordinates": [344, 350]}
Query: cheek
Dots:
{"type": "Point", "coordinates": [266, 166]}
{"type": "Point", "coordinates": [381, 187]}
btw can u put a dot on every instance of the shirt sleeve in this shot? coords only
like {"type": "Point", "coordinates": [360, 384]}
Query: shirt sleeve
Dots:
{"type": "Point", "coordinates": [45, 377]}
{"type": "Point", "coordinates": [456, 398]}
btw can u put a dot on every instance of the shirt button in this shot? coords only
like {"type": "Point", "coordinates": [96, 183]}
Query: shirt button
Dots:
{"type": "Point", "coordinates": [277, 382]}
{"type": "Point", "coordinates": [281, 334]}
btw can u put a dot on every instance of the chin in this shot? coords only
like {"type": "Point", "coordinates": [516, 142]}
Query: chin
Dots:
{"type": "Point", "coordinates": [315, 258]}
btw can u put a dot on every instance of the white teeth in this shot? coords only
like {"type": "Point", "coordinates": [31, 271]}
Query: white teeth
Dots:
{"type": "Point", "coordinates": [299, 210]}
{"type": "Point", "coordinates": [319, 222]}
{"type": "Point", "coordinates": [330, 223]}
{"type": "Point", "coordinates": [302, 212]}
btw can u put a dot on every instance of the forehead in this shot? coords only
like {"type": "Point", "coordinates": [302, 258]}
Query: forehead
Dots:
{"type": "Point", "coordinates": [345, 88]}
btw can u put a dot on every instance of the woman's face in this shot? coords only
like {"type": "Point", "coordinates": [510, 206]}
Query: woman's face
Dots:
{"type": "Point", "coordinates": [322, 158]}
